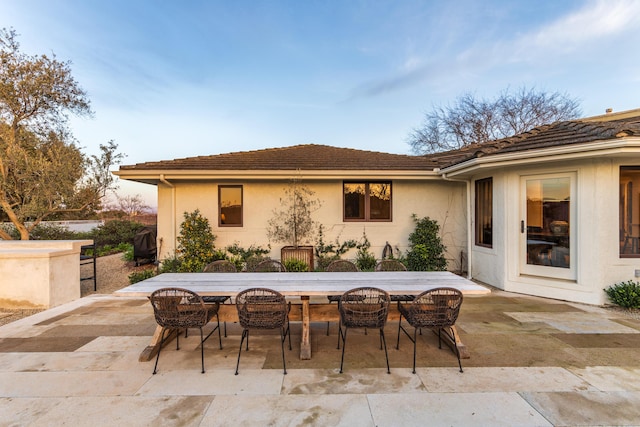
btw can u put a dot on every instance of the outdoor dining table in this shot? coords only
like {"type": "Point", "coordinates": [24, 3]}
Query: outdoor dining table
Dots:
{"type": "Point", "coordinates": [304, 286]}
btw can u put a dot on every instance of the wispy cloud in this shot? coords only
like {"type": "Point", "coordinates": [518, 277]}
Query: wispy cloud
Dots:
{"type": "Point", "coordinates": [597, 21]}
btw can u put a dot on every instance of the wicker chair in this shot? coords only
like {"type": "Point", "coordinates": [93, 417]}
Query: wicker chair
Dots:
{"type": "Point", "coordinates": [390, 265]}
{"type": "Point", "coordinates": [269, 266]}
{"type": "Point", "coordinates": [339, 265]}
{"type": "Point", "coordinates": [260, 308]}
{"type": "Point", "coordinates": [436, 309]}
{"type": "Point", "coordinates": [363, 308]}
{"type": "Point", "coordinates": [393, 265]}
{"type": "Point", "coordinates": [176, 309]}
{"type": "Point", "coordinates": [220, 266]}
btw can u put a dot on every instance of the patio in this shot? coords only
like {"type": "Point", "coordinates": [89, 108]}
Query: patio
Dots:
{"type": "Point", "coordinates": [533, 361]}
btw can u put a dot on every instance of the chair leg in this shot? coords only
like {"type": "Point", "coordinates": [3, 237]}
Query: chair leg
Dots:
{"type": "Point", "coordinates": [452, 336]}
{"type": "Point", "coordinates": [344, 344]}
{"type": "Point", "coordinates": [245, 334]}
{"type": "Point", "coordinates": [414, 349]}
{"type": "Point", "coordinates": [283, 337]}
{"type": "Point", "coordinates": [159, 350]}
{"type": "Point", "coordinates": [399, 327]}
{"type": "Point", "coordinates": [386, 355]}
{"type": "Point", "coordinates": [202, 348]}
{"type": "Point", "coordinates": [214, 329]}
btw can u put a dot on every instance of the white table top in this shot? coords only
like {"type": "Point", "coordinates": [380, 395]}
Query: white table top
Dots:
{"type": "Point", "coordinates": [305, 284]}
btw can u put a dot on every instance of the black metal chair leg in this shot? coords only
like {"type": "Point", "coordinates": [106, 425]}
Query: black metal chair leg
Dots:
{"type": "Point", "coordinates": [159, 350]}
{"type": "Point", "coordinates": [455, 345]}
{"type": "Point", "coordinates": [414, 349]}
{"type": "Point", "coordinates": [283, 337]}
{"type": "Point", "coordinates": [386, 355]}
{"type": "Point", "coordinates": [245, 332]}
{"type": "Point", "coordinates": [344, 345]}
{"type": "Point", "coordinates": [399, 325]}
{"type": "Point", "coordinates": [202, 348]}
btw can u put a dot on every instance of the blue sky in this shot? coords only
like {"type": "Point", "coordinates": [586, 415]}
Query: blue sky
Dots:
{"type": "Point", "coordinates": [170, 79]}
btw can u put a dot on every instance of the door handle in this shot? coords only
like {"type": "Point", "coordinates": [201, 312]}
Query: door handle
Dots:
{"type": "Point", "coordinates": [522, 226]}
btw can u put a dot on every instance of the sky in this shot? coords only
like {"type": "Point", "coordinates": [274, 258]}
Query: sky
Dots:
{"type": "Point", "coordinates": [174, 79]}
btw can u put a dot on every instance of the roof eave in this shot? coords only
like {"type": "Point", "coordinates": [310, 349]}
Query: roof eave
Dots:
{"type": "Point", "coordinates": [607, 148]}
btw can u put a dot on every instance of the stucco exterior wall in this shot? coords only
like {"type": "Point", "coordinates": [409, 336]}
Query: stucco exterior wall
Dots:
{"type": "Point", "coordinates": [440, 200]}
{"type": "Point", "coordinates": [598, 264]}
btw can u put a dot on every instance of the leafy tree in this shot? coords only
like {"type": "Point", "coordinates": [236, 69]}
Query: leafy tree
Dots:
{"type": "Point", "coordinates": [426, 251]}
{"type": "Point", "coordinates": [195, 243]}
{"type": "Point", "coordinates": [42, 171]}
{"type": "Point", "coordinates": [473, 121]}
{"type": "Point", "coordinates": [365, 260]}
{"type": "Point", "coordinates": [292, 223]}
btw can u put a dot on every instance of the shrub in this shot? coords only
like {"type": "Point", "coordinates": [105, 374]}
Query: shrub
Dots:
{"type": "Point", "coordinates": [625, 294]}
{"type": "Point", "coordinates": [195, 243]}
{"type": "Point", "coordinates": [296, 265]}
{"type": "Point", "coordinates": [170, 265]}
{"type": "Point", "coordinates": [325, 254]}
{"type": "Point", "coordinates": [243, 257]}
{"type": "Point", "coordinates": [365, 260]}
{"type": "Point", "coordinates": [116, 232]}
{"type": "Point", "coordinates": [52, 232]}
{"type": "Point", "coordinates": [139, 276]}
{"type": "Point", "coordinates": [426, 251]}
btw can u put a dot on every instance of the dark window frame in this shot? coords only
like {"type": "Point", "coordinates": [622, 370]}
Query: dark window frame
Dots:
{"type": "Point", "coordinates": [220, 213]}
{"type": "Point", "coordinates": [484, 209]}
{"type": "Point", "coordinates": [367, 202]}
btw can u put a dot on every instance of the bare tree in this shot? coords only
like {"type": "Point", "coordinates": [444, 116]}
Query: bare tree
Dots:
{"type": "Point", "coordinates": [471, 120]}
{"type": "Point", "coordinates": [42, 171]}
{"type": "Point", "coordinates": [132, 206]}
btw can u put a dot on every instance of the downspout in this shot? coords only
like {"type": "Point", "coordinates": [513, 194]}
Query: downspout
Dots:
{"type": "Point", "coordinates": [173, 208]}
{"type": "Point", "coordinates": [469, 230]}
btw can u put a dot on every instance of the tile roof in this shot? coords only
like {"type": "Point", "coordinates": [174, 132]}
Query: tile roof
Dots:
{"type": "Point", "coordinates": [302, 157]}
{"type": "Point", "coordinates": [554, 135]}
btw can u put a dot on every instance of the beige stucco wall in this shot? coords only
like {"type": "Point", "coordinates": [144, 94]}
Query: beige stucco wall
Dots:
{"type": "Point", "coordinates": [598, 264]}
{"type": "Point", "coordinates": [440, 200]}
{"type": "Point", "coordinates": [39, 274]}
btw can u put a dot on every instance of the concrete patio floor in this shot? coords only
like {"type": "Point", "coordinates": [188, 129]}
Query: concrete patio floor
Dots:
{"type": "Point", "coordinates": [534, 362]}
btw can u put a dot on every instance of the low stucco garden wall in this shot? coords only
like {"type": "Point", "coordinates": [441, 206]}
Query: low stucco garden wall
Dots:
{"type": "Point", "coordinates": [41, 273]}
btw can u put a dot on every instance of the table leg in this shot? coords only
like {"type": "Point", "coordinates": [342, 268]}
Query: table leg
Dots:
{"type": "Point", "coordinates": [152, 349]}
{"type": "Point", "coordinates": [305, 344]}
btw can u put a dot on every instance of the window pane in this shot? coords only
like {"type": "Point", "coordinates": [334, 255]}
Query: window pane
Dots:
{"type": "Point", "coordinates": [380, 201]}
{"type": "Point", "coordinates": [548, 216]}
{"type": "Point", "coordinates": [484, 212]}
{"type": "Point", "coordinates": [230, 203]}
{"type": "Point", "coordinates": [630, 211]}
{"type": "Point", "coordinates": [354, 201]}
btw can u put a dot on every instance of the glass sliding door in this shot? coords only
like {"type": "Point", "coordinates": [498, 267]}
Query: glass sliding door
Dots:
{"type": "Point", "coordinates": [546, 228]}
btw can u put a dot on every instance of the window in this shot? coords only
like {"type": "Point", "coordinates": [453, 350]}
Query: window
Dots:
{"type": "Point", "coordinates": [230, 206]}
{"type": "Point", "coordinates": [367, 201]}
{"type": "Point", "coordinates": [629, 211]}
{"type": "Point", "coordinates": [484, 212]}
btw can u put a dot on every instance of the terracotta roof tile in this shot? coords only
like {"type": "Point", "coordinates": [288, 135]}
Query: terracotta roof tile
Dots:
{"type": "Point", "coordinates": [303, 157]}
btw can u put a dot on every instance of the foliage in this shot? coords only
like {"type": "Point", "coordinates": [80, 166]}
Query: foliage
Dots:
{"type": "Point", "coordinates": [125, 248]}
{"type": "Point", "coordinates": [253, 261]}
{"type": "Point", "coordinates": [474, 121]}
{"type": "Point", "coordinates": [296, 265]}
{"type": "Point", "coordinates": [426, 251]}
{"type": "Point", "coordinates": [625, 294]}
{"type": "Point", "coordinates": [240, 256]}
{"type": "Point", "coordinates": [129, 206]}
{"type": "Point", "coordinates": [170, 265]}
{"type": "Point", "coordinates": [195, 243]}
{"type": "Point", "coordinates": [42, 171]}
{"type": "Point", "coordinates": [365, 260]}
{"type": "Point", "coordinates": [292, 223]}
{"type": "Point", "coordinates": [325, 254]}
{"type": "Point", "coordinates": [139, 276]}
{"type": "Point", "coordinates": [116, 231]}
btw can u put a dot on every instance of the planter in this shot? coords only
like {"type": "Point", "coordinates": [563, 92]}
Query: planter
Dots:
{"type": "Point", "coordinates": [300, 253]}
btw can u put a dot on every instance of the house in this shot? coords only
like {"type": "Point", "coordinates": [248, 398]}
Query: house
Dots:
{"type": "Point", "coordinates": [553, 212]}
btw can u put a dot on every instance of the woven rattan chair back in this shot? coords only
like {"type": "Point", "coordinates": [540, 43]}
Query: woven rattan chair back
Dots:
{"type": "Point", "coordinates": [436, 309]}
{"type": "Point", "coordinates": [269, 266]}
{"type": "Point", "coordinates": [220, 266]}
{"type": "Point", "coordinates": [261, 308]}
{"type": "Point", "coordinates": [341, 265]}
{"type": "Point", "coordinates": [364, 307]}
{"type": "Point", "coordinates": [390, 265]}
{"type": "Point", "coordinates": [175, 309]}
